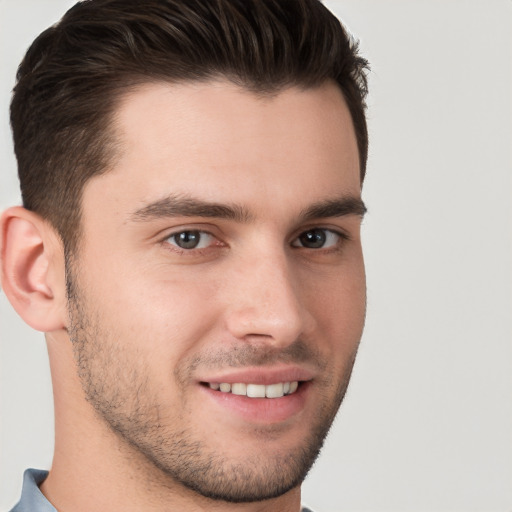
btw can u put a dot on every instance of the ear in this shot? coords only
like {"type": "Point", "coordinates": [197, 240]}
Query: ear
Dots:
{"type": "Point", "coordinates": [32, 269]}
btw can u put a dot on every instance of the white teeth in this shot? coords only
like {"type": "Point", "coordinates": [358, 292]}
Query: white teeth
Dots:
{"type": "Point", "coordinates": [239, 389]}
{"type": "Point", "coordinates": [274, 390]}
{"type": "Point", "coordinates": [256, 390]}
{"type": "Point", "coordinates": [277, 390]}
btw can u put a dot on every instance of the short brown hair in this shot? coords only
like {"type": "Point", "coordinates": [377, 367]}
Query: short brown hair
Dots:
{"type": "Point", "coordinates": [71, 79]}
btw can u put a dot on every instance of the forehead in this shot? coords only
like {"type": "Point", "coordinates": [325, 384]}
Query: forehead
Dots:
{"type": "Point", "coordinates": [225, 143]}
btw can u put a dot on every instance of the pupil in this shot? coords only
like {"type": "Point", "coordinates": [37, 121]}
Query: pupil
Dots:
{"type": "Point", "coordinates": [187, 239]}
{"type": "Point", "coordinates": [313, 239]}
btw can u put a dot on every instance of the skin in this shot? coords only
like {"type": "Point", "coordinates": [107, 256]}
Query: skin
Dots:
{"type": "Point", "coordinates": [148, 322]}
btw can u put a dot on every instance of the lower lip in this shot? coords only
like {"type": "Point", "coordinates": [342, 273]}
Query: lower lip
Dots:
{"type": "Point", "coordinates": [261, 410]}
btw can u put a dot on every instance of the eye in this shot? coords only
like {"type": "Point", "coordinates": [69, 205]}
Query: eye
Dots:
{"type": "Point", "coordinates": [191, 239]}
{"type": "Point", "coordinates": [318, 238]}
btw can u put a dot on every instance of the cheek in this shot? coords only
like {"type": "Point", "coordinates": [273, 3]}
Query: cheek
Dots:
{"type": "Point", "coordinates": [339, 306]}
{"type": "Point", "coordinates": [161, 316]}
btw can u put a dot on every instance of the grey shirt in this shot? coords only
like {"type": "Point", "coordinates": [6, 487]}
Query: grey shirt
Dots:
{"type": "Point", "coordinates": [33, 500]}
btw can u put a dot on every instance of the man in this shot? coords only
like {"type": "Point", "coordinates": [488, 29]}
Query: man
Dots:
{"type": "Point", "coordinates": [189, 244]}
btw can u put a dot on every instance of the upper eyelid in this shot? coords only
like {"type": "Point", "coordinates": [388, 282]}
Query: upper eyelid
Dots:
{"type": "Point", "coordinates": [185, 230]}
{"type": "Point", "coordinates": [201, 231]}
{"type": "Point", "coordinates": [169, 232]}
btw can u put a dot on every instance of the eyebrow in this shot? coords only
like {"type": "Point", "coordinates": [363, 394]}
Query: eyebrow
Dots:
{"type": "Point", "coordinates": [338, 207]}
{"type": "Point", "coordinates": [184, 206]}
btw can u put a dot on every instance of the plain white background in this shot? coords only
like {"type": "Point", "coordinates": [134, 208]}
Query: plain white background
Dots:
{"type": "Point", "coordinates": [427, 422]}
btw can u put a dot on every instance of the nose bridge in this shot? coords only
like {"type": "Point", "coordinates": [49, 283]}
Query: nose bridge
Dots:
{"type": "Point", "coordinates": [267, 303]}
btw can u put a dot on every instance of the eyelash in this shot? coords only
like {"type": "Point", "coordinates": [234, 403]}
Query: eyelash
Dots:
{"type": "Point", "coordinates": [333, 247]}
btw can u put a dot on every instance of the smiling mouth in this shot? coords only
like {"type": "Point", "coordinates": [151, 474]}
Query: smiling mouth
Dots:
{"type": "Point", "coordinates": [277, 390]}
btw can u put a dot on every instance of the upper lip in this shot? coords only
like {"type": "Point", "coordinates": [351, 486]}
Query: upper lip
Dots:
{"type": "Point", "coordinates": [261, 375]}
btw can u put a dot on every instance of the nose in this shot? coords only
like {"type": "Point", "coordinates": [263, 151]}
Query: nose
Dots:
{"type": "Point", "coordinates": [267, 302]}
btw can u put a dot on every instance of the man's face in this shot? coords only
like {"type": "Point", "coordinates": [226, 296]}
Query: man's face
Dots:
{"type": "Point", "coordinates": [221, 262]}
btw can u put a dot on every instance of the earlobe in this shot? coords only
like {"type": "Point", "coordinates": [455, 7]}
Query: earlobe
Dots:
{"type": "Point", "coordinates": [32, 269]}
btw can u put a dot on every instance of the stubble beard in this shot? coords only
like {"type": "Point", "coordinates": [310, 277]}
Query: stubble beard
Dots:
{"type": "Point", "coordinates": [118, 388]}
